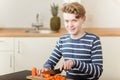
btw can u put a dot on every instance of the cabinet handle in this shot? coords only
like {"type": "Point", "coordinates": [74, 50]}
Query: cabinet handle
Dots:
{"type": "Point", "coordinates": [10, 60]}
{"type": "Point", "coordinates": [18, 46]}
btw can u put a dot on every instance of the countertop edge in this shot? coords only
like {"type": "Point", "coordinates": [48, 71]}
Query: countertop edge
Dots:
{"type": "Point", "coordinates": [19, 32]}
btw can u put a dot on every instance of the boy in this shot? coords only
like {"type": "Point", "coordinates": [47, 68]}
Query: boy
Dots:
{"type": "Point", "coordinates": [81, 50]}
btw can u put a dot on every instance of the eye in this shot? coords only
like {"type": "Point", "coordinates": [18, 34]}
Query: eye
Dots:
{"type": "Point", "coordinates": [66, 21]}
{"type": "Point", "coordinates": [74, 20]}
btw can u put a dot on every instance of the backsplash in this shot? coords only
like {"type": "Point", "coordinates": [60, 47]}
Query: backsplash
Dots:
{"type": "Point", "coordinates": [22, 13]}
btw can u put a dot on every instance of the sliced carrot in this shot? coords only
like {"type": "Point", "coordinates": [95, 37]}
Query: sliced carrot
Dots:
{"type": "Point", "coordinates": [46, 75]}
{"type": "Point", "coordinates": [34, 71]}
{"type": "Point", "coordinates": [55, 77]}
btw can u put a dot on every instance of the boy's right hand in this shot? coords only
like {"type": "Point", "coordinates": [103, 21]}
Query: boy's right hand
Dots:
{"type": "Point", "coordinates": [67, 65]}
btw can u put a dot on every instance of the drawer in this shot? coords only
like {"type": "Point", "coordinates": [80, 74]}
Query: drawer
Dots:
{"type": "Point", "coordinates": [6, 44]}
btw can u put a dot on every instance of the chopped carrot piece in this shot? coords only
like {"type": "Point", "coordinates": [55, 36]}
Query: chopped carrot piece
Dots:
{"type": "Point", "coordinates": [34, 71]}
{"type": "Point", "coordinates": [55, 77]}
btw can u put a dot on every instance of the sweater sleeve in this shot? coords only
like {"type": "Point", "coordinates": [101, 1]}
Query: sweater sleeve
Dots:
{"type": "Point", "coordinates": [94, 68]}
{"type": "Point", "coordinates": [54, 57]}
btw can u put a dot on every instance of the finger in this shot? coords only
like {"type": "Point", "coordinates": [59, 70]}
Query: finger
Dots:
{"type": "Point", "coordinates": [62, 67]}
{"type": "Point", "coordinates": [45, 69]}
{"type": "Point", "coordinates": [71, 63]}
{"type": "Point", "coordinates": [68, 64]}
{"type": "Point", "coordinates": [39, 72]}
{"type": "Point", "coordinates": [65, 65]}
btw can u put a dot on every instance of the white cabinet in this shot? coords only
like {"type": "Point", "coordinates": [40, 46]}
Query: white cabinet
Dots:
{"type": "Point", "coordinates": [32, 51]}
{"type": "Point", "coordinates": [24, 53]}
{"type": "Point", "coordinates": [6, 55]}
{"type": "Point", "coordinates": [6, 63]}
{"type": "Point", "coordinates": [111, 58]}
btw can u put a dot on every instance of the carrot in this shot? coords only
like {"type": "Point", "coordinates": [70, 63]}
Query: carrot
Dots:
{"type": "Point", "coordinates": [46, 75]}
{"type": "Point", "coordinates": [34, 71]}
{"type": "Point", "coordinates": [55, 77]}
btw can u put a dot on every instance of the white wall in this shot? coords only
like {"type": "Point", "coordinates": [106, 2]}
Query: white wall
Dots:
{"type": "Point", "coordinates": [22, 13]}
{"type": "Point", "coordinates": [102, 13]}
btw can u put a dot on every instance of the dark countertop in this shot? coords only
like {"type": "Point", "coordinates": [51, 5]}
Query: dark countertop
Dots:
{"type": "Point", "coordinates": [21, 75]}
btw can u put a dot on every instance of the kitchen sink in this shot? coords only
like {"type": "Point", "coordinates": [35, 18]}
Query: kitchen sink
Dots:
{"type": "Point", "coordinates": [41, 31]}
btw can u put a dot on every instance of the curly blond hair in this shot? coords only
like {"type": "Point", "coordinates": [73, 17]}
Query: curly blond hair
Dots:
{"type": "Point", "coordinates": [74, 8]}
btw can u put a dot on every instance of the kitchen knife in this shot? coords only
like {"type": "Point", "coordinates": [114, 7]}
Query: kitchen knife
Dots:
{"type": "Point", "coordinates": [52, 72]}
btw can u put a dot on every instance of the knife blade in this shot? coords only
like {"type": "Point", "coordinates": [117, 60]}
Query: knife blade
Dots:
{"type": "Point", "coordinates": [52, 72]}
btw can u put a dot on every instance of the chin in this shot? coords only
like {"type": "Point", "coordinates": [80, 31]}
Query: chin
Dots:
{"type": "Point", "coordinates": [72, 33]}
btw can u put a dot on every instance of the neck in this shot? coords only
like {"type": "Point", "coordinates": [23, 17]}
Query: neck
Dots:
{"type": "Point", "coordinates": [78, 35]}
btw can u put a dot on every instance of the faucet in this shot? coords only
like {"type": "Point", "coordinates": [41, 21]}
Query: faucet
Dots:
{"type": "Point", "coordinates": [38, 23]}
{"type": "Point", "coordinates": [37, 17]}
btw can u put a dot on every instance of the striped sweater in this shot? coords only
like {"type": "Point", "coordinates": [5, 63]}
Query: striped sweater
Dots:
{"type": "Point", "coordinates": [86, 52]}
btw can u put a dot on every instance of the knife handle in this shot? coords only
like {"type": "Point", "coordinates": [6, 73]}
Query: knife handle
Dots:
{"type": "Point", "coordinates": [56, 71]}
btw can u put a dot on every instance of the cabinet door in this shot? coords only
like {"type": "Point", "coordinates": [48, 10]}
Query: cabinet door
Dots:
{"type": "Point", "coordinates": [32, 52]}
{"type": "Point", "coordinates": [6, 55]}
{"type": "Point", "coordinates": [6, 63]}
{"type": "Point", "coordinates": [111, 58]}
{"type": "Point", "coordinates": [6, 44]}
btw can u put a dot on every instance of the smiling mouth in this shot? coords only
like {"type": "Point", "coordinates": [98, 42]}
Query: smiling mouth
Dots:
{"type": "Point", "coordinates": [72, 29]}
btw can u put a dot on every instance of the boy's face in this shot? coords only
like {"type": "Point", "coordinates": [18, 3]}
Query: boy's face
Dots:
{"type": "Point", "coordinates": [73, 24]}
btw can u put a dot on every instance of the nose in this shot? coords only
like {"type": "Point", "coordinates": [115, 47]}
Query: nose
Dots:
{"type": "Point", "coordinates": [70, 24]}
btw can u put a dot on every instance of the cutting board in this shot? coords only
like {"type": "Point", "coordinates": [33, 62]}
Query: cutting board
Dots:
{"type": "Point", "coordinates": [38, 78]}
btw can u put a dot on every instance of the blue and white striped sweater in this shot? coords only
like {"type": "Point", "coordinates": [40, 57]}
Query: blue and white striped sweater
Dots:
{"type": "Point", "coordinates": [86, 52]}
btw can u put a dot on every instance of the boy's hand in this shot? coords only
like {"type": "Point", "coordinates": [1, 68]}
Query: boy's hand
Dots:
{"type": "Point", "coordinates": [67, 65]}
{"type": "Point", "coordinates": [40, 71]}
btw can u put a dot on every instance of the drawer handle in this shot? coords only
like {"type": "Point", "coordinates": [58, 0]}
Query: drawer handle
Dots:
{"type": "Point", "coordinates": [11, 60]}
{"type": "Point", "coordinates": [19, 47]}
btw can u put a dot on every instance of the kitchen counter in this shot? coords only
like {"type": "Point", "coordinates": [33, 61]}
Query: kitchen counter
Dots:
{"type": "Point", "coordinates": [21, 75]}
{"type": "Point", "coordinates": [20, 32]}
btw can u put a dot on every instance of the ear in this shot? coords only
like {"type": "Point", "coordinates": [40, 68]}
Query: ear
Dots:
{"type": "Point", "coordinates": [84, 18]}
